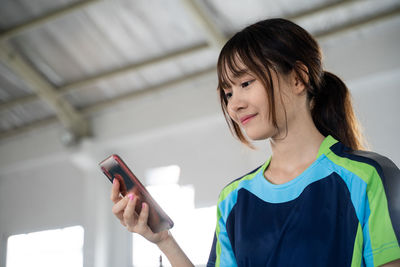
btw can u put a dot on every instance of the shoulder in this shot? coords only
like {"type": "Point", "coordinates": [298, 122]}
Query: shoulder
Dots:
{"type": "Point", "coordinates": [381, 175]}
{"type": "Point", "coordinates": [382, 183]}
{"type": "Point", "coordinates": [367, 163]}
{"type": "Point", "coordinates": [232, 187]}
{"type": "Point", "coordinates": [385, 167]}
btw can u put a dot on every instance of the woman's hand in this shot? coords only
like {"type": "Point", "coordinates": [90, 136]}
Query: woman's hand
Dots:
{"type": "Point", "coordinates": [124, 210]}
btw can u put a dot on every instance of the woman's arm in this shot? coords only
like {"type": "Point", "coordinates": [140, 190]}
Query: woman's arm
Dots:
{"type": "Point", "coordinates": [124, 210]}
{"type": "Point", "coordinates": [174, 253]}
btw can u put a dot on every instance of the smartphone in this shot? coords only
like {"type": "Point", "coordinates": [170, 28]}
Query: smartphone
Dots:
{"type": "Point", "coordinates": [114, 168]}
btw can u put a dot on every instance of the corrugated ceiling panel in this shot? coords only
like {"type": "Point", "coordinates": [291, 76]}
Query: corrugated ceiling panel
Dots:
{"type": "Point", "coordinates": [105, 36]}
{"type": "Point", "coordinates": [348, 13]}
{"type": "Point", "coordinates": [108, 89]}
{"type": "Point", "coordinates": [22, 114]}
{"type": "Point", "coordinates": [144, 78]}
{"type": "Point", "coordinates": [105, 89]}
{"type": "Point", "coordinates": [238, 14]}
{"type": "Point", "coordinates": [11, 86]}
{"type": "Point", "coordinates": [198, 61]}
{"type": "Point", "coordinates": [159, 73]}
{"type": "Point", "coordinates": [15, 12]}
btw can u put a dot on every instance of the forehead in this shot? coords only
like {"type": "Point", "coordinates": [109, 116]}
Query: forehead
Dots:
{"type": "Point", "coordinates": [233, 65]}
{"type": "Point", "coordinates": [232, 69]}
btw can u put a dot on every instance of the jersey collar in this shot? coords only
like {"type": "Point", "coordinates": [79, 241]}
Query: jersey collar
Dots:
{"type": "Point", "coordinates": [326, 144]}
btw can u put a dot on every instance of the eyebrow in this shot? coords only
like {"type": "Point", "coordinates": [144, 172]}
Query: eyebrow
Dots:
{"type": "Point", "coordinates": [240, 74]}
{"type": "Point", "coordinates": [237, 73]}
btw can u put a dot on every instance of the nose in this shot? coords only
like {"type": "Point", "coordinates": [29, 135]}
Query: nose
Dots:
{"type": "Point", "coordinates": [236, 102]}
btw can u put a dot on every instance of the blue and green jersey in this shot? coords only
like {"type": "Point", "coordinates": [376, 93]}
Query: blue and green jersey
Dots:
{"type": "Point", "coordinates": [336, 213]}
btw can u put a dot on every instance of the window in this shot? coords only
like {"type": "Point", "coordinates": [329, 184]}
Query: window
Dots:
{"type": "Point", "coordinates": [60, 247]}
{"type": "Point", "coordinates": [193, 229]}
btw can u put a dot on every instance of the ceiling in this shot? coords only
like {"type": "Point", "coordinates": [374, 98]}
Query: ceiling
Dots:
{"type": "Point", "coordinates": [63, 61]}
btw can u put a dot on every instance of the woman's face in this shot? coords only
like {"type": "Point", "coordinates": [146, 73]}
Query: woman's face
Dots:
{"type": "Point", "coordinates": [248, 105]}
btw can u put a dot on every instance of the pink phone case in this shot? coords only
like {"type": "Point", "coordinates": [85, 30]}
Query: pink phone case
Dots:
{"type": "Point", "coordinates": [114, 168]}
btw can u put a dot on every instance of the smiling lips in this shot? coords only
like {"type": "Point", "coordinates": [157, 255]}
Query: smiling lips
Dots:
{"type": "Point", "coordinates": [247, 118]}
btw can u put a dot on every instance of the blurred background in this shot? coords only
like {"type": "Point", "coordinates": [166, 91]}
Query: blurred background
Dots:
{"type": "Point", "coordinates": [80, 80]}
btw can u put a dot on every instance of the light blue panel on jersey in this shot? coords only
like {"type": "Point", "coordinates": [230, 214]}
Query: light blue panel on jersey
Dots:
{"type": "Point", "coordinates": [272, 193]}
{"type": "Point", "coordinates": [369, 260]}
{"type": "Point", "coordinates": [358, 193]}
{"type": "Point", "coordinates": [227, 258]}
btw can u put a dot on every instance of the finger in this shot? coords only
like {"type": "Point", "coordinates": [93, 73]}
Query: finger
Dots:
{"type": "Point", "coordinates": [144, 214]}
{"type": "Point", "coordinates": [119, 207]}
{"type": "Point", "coordinates": [130, 214]}
{"type": "Point", "coordinates": [115, 196]}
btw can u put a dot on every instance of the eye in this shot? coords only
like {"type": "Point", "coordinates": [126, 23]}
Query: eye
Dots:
{"type": "Point", "coordinates": [228, 95]}
{"type": "Point", "coordinates": [247, 83]}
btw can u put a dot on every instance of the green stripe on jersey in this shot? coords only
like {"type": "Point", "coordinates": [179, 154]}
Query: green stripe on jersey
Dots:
{"type": "Point", "coordinates": [358, 248]}
{"type": "Point", "coordinates": [379, 219]}
{"type": "Point", "coordinates": [224, 194]}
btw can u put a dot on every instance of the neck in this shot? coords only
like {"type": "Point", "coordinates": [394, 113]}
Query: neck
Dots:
{"type": "Point", "coordinates": [293, 152]}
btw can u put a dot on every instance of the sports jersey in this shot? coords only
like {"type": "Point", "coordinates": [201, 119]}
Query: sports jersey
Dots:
{"type": "Point", "coordinates": [333, 214]}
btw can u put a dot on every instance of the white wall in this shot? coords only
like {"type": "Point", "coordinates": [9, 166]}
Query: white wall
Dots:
{"type": "Point", "coordinates": [46, 185]}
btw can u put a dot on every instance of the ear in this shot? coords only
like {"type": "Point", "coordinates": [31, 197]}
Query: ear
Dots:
{"type": "Point", "coordinates": [300, 78]}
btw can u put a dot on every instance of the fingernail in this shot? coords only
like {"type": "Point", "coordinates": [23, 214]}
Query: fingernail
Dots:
{"type": "Point", "coordinates": [143, 204]}
{"type": "Point", "coordinates": [114, 181]}
{"type": "Point", "coordinates": [130, 196]}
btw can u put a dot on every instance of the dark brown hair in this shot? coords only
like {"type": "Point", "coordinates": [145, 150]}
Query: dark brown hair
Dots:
{"type": "Point", "coordinates": [282, 46]}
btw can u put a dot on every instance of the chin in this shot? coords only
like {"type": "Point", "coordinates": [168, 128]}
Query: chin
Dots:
{"type": "Point", "coordinates": [258, 137]}
{"type": "Point", "coordinates": [261, 134]}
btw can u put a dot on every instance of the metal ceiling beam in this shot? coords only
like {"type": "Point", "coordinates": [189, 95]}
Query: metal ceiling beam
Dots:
{"type": "Point", "coordinates": [134, 67]}
{"type": "Point", "coordinates": [28, 126]}
{"type": "Point", "coordinates": [149, 90]}
{"type": "Point", "coordinates": [110, 74]}
{"type": "Point", "coordinates": [214, 35]}
{"type": "Point", "coordinates": [43, 19]}
{"type": "Point", "coordinates": [103, 104]}
{"type": "Point", "coordinates": [69, 117]}
{"type": "Point", "coordinates": [18, 101]}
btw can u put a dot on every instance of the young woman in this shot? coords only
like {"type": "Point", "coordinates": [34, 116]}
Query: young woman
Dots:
{"type": "Point", "coordinates": [319, 200]}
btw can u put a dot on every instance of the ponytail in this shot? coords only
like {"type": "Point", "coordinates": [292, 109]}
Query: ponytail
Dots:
{"type": "Point", "coordinates": [332, 111]}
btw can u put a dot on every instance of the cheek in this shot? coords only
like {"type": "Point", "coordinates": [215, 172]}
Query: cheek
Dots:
{"type": "Point", "coordinates": [231, 113]}
{"type": "Point", "coordinates": [264, 108]}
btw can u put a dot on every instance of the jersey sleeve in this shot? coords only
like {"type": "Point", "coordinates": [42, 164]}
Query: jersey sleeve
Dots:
{"type": "Point", "coordinates": [381, 227]}
{"type": "Point", "coordinates": [221, 252]}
